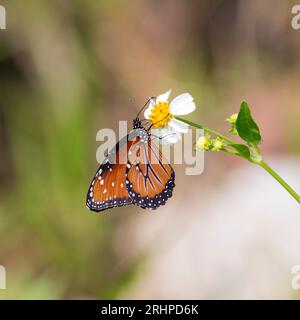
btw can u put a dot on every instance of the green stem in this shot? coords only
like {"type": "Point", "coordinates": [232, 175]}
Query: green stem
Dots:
{"type": "Point", "coordinates": [199, 126]}
{"type": "Point", "coordinates": [258, 160]}
{"type": "Point", "coordinates": [292, 192]}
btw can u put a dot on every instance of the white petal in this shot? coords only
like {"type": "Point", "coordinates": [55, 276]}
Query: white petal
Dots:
{"type": "Point", "coordinates": [149, 109]}
{"type": "Point", "coordinates": [183, 98]}
{"type": "Point", "coordinates": [178, 126]}
{"type": "Point", "coordinates": [159, 132]}
{"type": "Point", "coordinates": [170, 138]}
{"type": "Point", "coordinates": [183, 109]}
{"type": "Point", "coordinates": [166, 135]}
{"type": "Point", "coordinates": [183, 104]}
{"type": "Point", "coordinates": [164, 97]}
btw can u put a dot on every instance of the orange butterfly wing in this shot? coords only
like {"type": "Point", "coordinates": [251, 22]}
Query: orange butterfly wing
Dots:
{"type": "Point", "coordinates": [135, 172]}
{"type": "Point", "coordinates": [150, 178]}
{"type": "Point", "coordinates": [108, 188]}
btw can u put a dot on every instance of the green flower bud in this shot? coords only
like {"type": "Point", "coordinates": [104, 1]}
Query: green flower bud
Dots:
{"type": "Point", "coordinates": [204, 143]}
{"type": "Point", "coordinates": [232, 119]}
{"type": "Point", "coordinates": [218, 144]}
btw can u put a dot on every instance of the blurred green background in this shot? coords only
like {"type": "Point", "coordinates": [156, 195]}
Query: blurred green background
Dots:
{"type": "Point", "coordinates": [68, 69]}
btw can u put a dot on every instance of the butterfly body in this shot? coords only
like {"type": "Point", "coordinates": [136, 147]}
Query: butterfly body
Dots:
{"type": "Point", "coordinates": [134, 172]}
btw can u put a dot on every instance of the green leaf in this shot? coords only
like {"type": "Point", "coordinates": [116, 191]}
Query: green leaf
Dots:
{"type": "Point", "coordinates": [241, 148]}
{"type": "Point", "coordinates": [246, 126]}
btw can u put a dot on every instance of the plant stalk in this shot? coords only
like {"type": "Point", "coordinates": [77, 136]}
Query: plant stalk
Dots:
{"type": "Point", "coordinates": [289, 189]}
{"type": "Point", "coordinates": [259, 161]}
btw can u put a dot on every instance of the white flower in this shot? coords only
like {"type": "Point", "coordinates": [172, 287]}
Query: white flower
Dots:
{"type": "Point", "coordinates": [161, 112]}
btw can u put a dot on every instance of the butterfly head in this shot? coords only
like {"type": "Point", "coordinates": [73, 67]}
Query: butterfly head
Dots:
{"type": "Point", "coordinates": [137, 124]}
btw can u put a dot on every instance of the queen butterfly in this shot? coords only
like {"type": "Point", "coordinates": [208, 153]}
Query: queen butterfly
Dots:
{"type": "Point", "coordinates": [134, 172]}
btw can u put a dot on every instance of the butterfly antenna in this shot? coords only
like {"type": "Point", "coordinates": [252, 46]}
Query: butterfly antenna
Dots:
{"type": "Point", "coordinates": [149, 99]}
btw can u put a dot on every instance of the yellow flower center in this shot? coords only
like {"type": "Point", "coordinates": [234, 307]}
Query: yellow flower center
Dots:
{"type": "Point", "coordinates": [160, 114]}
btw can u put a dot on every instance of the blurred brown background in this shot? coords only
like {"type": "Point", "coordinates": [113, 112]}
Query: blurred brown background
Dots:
{"type": "Point", "coordinates": [69, 68]}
